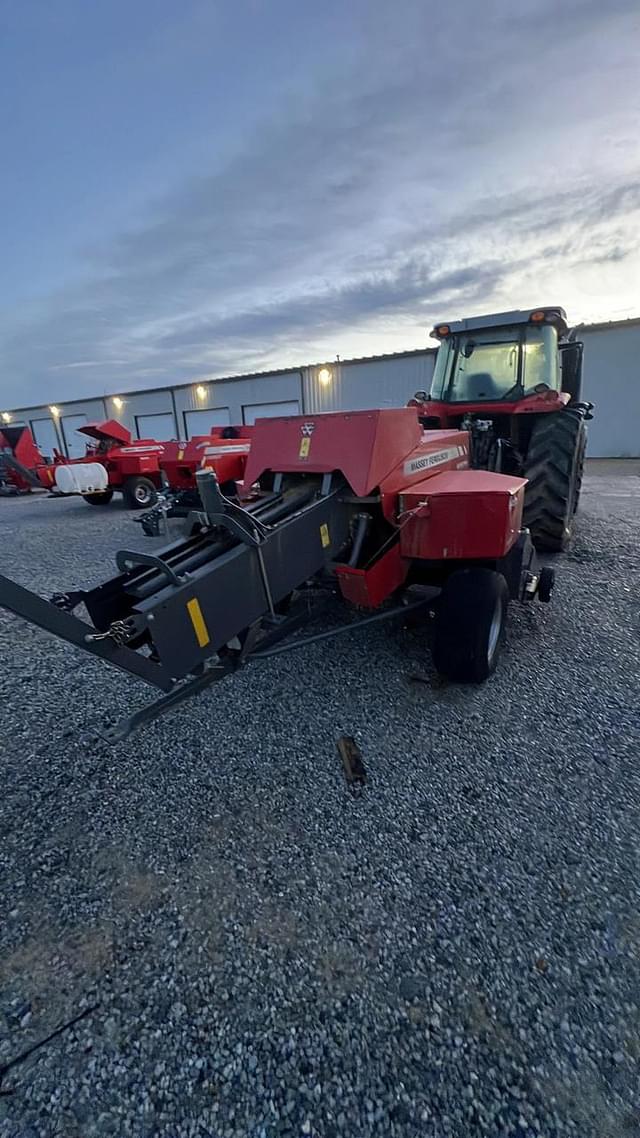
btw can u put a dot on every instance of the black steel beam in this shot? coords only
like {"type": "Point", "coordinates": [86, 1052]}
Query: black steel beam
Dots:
{"type": "Point", "coordinates": [55, 620]}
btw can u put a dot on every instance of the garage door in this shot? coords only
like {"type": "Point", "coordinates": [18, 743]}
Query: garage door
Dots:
{"type": "Point", "coordinates": [76, 444]}
{"type": "Point", "coordinates": [253, 411]}
{"type": "Point", "coordinates": [159, 427]}
{"type": "Point", "coordinates": [200, 422]}
{"type": "Point", "coordinates": [45, 435]}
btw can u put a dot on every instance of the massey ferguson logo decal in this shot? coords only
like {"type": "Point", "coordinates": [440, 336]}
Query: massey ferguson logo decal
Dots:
{"type": "Point", "coordinates": [308, 429]}
{"type": "Point", "coordinates": [426, 461]}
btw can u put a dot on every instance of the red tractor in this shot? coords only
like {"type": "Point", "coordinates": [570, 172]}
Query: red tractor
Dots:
{"type": "Point", "coordinates": [513, 380]}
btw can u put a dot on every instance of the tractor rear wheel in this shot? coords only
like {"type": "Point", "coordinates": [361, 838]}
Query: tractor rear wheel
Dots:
{"type": "Point", "coordinates": [553, 467]}
{"type": "Point", "coordinates": [470, 623]}
{"type": "Point", "coordinates": [99, 499]}
{"type": "Point", "coordinates": [139, 493]}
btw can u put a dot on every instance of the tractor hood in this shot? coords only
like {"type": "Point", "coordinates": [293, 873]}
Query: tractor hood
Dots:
{"type": "Point", "coordinates": [110, 430]}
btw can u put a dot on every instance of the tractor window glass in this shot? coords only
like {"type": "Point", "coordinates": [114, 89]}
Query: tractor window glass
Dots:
{"type": "Point", "coordinates": [540, 358]}
{"type": "Point", "coordinates": [485, 367]}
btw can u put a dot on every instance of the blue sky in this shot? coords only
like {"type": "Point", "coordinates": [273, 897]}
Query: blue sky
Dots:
{"type": "Point", "coordinates": [200, 188]}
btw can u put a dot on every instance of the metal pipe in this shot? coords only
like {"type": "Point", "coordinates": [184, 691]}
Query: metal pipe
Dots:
{"type": "Point", "coordinates": [399, 610]}
{"type": "Point", "coordinates": [288, 506]}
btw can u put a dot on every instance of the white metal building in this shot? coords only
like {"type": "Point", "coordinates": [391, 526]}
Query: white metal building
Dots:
{"type": "Point", "coordinates": [611, 370]}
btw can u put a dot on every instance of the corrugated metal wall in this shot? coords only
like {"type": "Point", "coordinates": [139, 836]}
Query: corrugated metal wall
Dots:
{"type": "Point", "coordinates": [142, 403]}
{"type": "Point", "coordinates": [612, 382]}
{"type": "Point", "coordinates": [363, 384]}
{"type": "Point", "coordinates": [236, 394]}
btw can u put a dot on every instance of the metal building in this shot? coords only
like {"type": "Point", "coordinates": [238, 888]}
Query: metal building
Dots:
{"type": "Point", "coordinates": [181, 410]}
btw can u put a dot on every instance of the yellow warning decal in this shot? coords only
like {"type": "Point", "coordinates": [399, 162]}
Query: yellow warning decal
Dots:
{"type": "Point", "coordinates": [198, 622]}
{"type": "Point", "coordinates": [180, 455]}
{"type": "Point", "coordinates": [324, 535]}
{"type": "Point", "coordinates": [305, 444]}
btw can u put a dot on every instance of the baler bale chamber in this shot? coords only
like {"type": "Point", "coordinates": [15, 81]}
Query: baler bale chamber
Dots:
{"type": "Point", "coordinates": [365, 505]}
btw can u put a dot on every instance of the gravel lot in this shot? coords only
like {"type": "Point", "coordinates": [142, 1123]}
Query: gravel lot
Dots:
{"type": "Point", "coordinates": [454, 952]}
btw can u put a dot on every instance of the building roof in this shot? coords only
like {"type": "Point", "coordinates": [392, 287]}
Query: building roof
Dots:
{"type": "Point", "coordinates": [605, 325]}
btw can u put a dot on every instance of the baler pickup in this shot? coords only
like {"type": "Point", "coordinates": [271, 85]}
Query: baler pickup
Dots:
{"type": "Point", "coordinates": [357, 504]}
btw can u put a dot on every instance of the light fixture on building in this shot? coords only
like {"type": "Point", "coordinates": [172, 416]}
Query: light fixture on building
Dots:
{"type": "Point", "coordinates": [6, 417]}
{"type": "Point", "coordinates": [118, 403]}
{"type": "Point", "coordinates": [324, 376]}
{"type": "Point", "coordinates": [201, 391]}
{"type": "Point", "coordinates": [55, 411]}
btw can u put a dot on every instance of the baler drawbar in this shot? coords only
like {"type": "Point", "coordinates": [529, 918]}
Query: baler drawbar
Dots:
{"type": "Point", "coordinates": [364, 503]}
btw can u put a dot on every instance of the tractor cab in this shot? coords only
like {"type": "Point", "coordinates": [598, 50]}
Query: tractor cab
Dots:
{"type": "Point", "coordinates": [504, 359]}
{"type": "Point", "coordinates": [498, 358]}
{"type": "Point", "coordinates": [513, 381]}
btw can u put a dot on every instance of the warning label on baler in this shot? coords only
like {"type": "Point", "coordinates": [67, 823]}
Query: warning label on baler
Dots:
{"type": "Point", "coordinates": [426, 461]}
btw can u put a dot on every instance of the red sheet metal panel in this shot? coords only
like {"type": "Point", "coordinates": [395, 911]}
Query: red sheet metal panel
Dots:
{"type": "Point", "coordinates": [226, 456]}
{"type": "Point", "coordinates": [368, 588]}
{"type": "Point", "coordinates": [110, 430]}
{"type": "Point", "coordinates": [464, 514]}
{"type": "Point", "coordinates": [435, 452]}
{"type": "Point", "coordinates": [364, 445]}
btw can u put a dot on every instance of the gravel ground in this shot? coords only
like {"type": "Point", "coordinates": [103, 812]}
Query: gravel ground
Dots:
{"type": "Point", "coordinates": [453, 952]}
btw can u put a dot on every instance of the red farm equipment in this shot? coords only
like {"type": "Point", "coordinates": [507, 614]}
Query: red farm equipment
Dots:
{"type": "Point", "coordinates": [514, 381]}
{"type": "Point", "coordinates": [365, 505]}
{"type": "Point", "coordinates": [113, 462]}
{"type": "Point", "coordinates": [224, 451]}
{"type": "Point", "coordinates": [19, 458]}
{"type": "Point", "coordinates": [143, 470]}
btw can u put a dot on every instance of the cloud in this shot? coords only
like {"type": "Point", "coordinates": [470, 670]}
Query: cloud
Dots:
{"type": "Point", "coordinates": [446, 161]}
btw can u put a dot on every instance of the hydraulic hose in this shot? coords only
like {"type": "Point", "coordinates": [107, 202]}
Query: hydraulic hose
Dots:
{"type": "Point", "coordinates": [362, 528]}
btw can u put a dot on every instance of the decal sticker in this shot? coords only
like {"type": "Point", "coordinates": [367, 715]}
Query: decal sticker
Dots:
{"type": "Point", "coordinates": [236, 448]}
{"type": "Point", "coordinates": [140, 450]}
{"type": "Point", "coordinates": [305, 446]}
{"type": "Point", "coordinates": [198, 622]}
{"type": "Point", "coordinates": [427, 461]}
{"type": "Point", "coordinates": [324, 535]}
{"type": "Point", "coordinates": [308, 428]}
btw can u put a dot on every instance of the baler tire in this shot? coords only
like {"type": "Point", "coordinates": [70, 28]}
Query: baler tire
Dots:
{"type": "Point", "coordinates": [139, 493]}
{"type": "Point", "coordinates": [553, 467]}
{"type": "Point", "coordinates": [470, 623]}
{"type": "Point", "coordinates": [99, 499]}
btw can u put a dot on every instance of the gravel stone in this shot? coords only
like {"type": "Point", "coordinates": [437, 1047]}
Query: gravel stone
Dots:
{"type": "Point", "coordinates": [452, 953]}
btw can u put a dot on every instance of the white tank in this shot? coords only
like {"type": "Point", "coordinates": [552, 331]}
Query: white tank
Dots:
{"type": "Point", "coordinates": [81, 478]}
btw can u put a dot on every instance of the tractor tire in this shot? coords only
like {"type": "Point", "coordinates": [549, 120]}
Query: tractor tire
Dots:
{"type": "Point", "coordinates": [470, 624]}
{"type": "Point", "coordinates": [139, 493]}
{"type": "Point", "coordinates": [582, 447]}
{"type": "Point", "coordinates": [101, 499]}
{"type": "Point", "coordinates": [553, 466]}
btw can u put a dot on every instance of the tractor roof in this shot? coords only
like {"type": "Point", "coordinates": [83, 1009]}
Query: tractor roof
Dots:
{"type": "Point", "coordinates": [110, 430]}
{"type": "Point", "coordinates": [552, 315]}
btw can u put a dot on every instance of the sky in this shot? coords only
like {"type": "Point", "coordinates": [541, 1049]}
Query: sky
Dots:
{"type": "Point", "coordinates": [212, 187]}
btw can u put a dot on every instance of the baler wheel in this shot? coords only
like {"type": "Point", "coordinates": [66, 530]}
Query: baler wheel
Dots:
{"type": "Point", "coordinates": [139, 493]}
{"type": "Point", "coordinates": [554, 466]}
{"type": "Point", "coordinates": [101, 499]}
{"type": "Point", "coordinates": [470, 623]}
